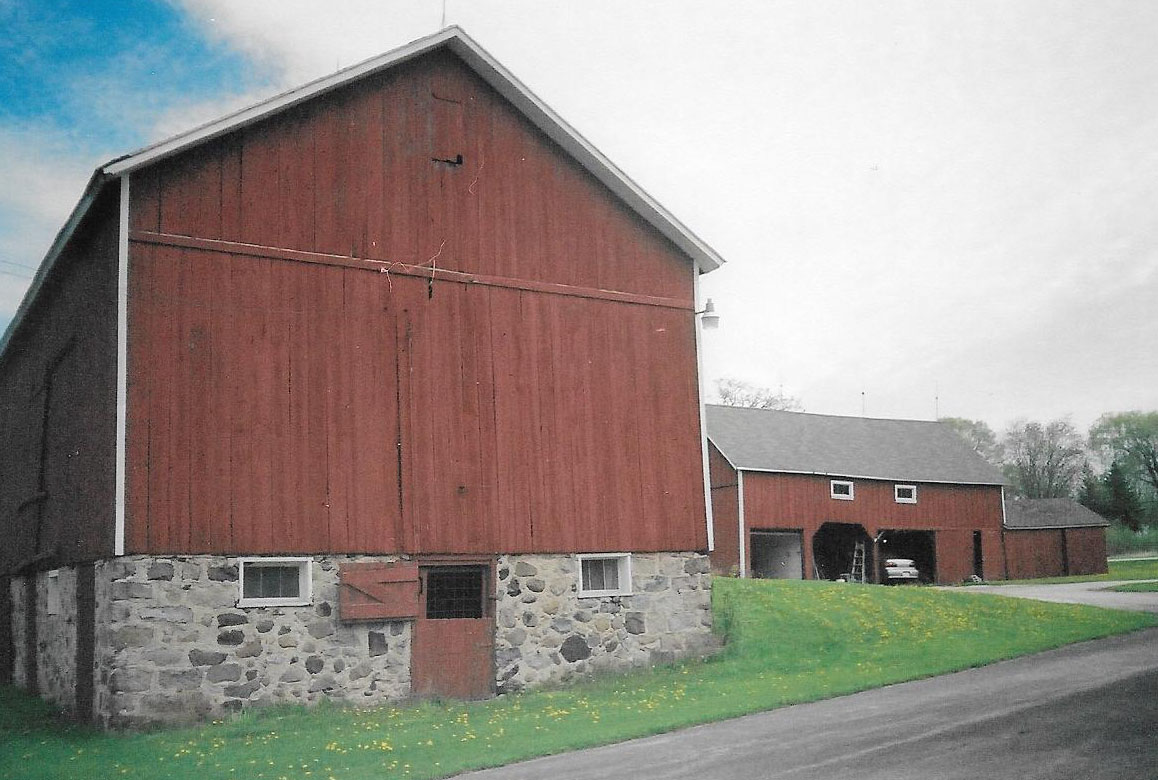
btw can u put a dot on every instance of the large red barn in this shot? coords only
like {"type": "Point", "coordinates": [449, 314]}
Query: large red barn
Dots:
{"type": "Point", "coordinates": [385, 386]}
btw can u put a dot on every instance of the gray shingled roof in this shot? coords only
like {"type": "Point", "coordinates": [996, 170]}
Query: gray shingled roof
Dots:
{"type": "Point", "coordinates": [1050, 513]}
{"type": "Point", "coordinates": [794, 442]}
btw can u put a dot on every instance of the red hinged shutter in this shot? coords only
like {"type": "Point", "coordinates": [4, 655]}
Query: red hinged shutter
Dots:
{"type": "Point", "coordinates": [378, 591]}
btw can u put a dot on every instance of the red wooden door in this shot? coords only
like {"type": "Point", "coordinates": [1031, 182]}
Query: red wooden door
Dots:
{"type": "Point", "coordinates": [453, 649]}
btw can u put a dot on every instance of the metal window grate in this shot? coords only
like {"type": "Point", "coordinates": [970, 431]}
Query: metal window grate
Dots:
{"type": "Point", "coordinates": [454, 593]}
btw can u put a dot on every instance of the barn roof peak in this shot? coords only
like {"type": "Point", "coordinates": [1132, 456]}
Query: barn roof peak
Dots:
{"type": "Point", "coordinates": [456, 40]}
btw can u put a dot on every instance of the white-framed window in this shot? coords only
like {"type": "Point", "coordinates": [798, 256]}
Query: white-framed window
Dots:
{"type": "Point", "coordinates": [905, 494]}
{"type": "Point", "coordinates": [52, 604]}
{"type": "Point", "coordinates": [274, 582]}
{"type": "Point", "coordinates": [842, 489]}
{"type": "Point", "coordinates": [604, 574]}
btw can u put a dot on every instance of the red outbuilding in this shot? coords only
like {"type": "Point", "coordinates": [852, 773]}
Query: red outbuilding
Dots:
{"type": "Point", "coordinates": [809, 496]}
{"type": "Point", "coordinates": [1053, 537]}
{"type": "Point", "coordinates": [385, 386]}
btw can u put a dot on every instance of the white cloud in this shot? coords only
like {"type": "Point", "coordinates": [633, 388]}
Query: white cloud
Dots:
{"type": "Point", "coordinates": [48, 175]}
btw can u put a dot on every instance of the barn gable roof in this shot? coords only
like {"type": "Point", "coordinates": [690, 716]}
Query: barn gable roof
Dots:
{"type": "Point", "coordinates": [453, 39]}
{"type": "Point", "coordinates": [855, 447]}
{"type": "Point", "coordinates": [1023, 513]}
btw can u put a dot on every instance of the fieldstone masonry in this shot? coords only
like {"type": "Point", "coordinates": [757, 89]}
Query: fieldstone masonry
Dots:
{"type": "Point", "coordinates": [547, 634]}
{"type": "Point", "coordinates": [55, 633]}
{"type": "Point", "coordinates": [172, 647]}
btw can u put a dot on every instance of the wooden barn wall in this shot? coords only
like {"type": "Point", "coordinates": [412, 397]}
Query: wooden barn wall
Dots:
{"type": "Point", "coordinates": [58, 407]}
{"type": "Point", "coordinates": [1035, 553]}
{"type": "Point", "coordinates": [954, 512]}
{"type": "Point", "coordinates": [529, 385]}
{"type": "Point", "coordinates": [725, 513]}
{"type": "Point", "coordinates": [1086, 551]}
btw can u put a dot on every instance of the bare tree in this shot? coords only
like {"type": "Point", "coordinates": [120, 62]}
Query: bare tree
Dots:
{"type": "Point", "coordinates": [1129, 439]}
{"type": "Point", "coordinates": [733, 392]}
{"type": "Point", "coordinates": [979, 435]}
{"type": "Point", "coordinates": [1044, 461]}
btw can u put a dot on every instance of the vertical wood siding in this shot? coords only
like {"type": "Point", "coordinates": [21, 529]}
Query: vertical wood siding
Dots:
{"type": "Point", "coordinates": [1086, 550]}
{"type": "Point", "coordinates": [287, 406]}
{"type": "Point", "coordinates": [954, 512]}
{"type": "Point", "coordinates": [1056, 552]}
{"type": "Point", "coordinates": [58, 407]}
{"type": "Point", "coordinates": [725, 513]}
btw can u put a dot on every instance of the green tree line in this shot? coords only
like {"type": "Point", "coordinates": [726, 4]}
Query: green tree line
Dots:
{"type": "Point", "coordinates": [1112, 469]}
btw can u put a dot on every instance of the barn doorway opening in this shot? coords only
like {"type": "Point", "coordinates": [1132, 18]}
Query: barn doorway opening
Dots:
{"type": "Point", "coordinates": [777, 555]}
{"type": "Point", "coordinates": [978, 556]}
{"type": "Point", "coordinates": [834, 546]}
{"type": "Point", "coordinates": [453, 650]}
{"type": "Point", "coordinates": [918, 546]}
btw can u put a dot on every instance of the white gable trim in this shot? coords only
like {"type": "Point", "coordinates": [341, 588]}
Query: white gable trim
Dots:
{"type": "Point", "coordinates": [498, 77]}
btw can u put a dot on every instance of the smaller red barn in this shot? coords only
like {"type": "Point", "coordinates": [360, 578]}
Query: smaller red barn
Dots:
{"type": "Point", "coordinates": [1053, 537]}
{"type": "Point", "coordinates": [815, 496]}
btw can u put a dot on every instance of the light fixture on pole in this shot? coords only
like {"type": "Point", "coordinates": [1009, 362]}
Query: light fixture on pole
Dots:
{"type": "Point", "coordinates": [708, 315]}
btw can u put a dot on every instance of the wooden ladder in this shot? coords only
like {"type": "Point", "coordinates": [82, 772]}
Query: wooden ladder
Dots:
{"type": "Point", "coordinates": [857, 573]}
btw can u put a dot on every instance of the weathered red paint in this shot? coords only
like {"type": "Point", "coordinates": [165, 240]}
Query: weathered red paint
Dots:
{"type": "Point", "coordinates": [535, 391]}
{"type": "Point", "coordinates": [58, 418]}
{"type": "Point", "coordinates": [1055, 552]}
{"type": "Point", "coordinates": [803, 502]}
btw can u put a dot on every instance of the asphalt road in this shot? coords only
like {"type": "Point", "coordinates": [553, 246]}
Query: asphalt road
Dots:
{"type": "Point", "coordinates": [1088, 711]}
{"type": "Point", "coordinates": [1097, 594]}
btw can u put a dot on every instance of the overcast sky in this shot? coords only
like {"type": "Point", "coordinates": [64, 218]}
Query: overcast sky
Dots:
{"type": "Point", "coordinates": [925, 207]}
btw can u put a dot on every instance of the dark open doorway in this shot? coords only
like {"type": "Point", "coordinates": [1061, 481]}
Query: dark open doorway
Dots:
{"type": "Point", "coordinates": [834, 546]}
{"type": "Point", "coordinates": [978, 556]}
{"type": "Point", "coordinates": [777, 555]}
{"type": "Point", "coordinates": [918, 546]}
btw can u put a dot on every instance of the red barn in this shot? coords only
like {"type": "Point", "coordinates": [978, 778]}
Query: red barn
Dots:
{"type": "Point", "coordinates": [1053, 537]}
{"type": "Point", "coordinates": [816, 496]}
{"type": "Point", "coordinates": [385, 386]}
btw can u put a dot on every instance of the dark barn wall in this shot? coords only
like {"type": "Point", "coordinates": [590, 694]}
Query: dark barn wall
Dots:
{"type": "Point", "coordinates": [1086, 551]}
{"type": "Point", "coordinates": [1035, 553]}
{"type": "Point", "coordinates": [953, 512]}
{"type": "Point", "coordinates": [1055, 552]}
{"type": "Point", "coordinates": [58, 406]}
{"type": "Point", "coordinates": [725, 513]}
{"type": "Point", "coordinates": [523, 380]}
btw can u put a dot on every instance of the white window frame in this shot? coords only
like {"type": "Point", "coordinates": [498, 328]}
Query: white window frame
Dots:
{"type": "Point", "coordinates": [53, 604]}
{"type": "Point", "coordinates": [897, 494]}
{"type": "Point", "coordinates": [624, 562]}
{"type": "Point", "coordinates": [840, 496]}
{"type": "Point", "coordinates": [305, 582]}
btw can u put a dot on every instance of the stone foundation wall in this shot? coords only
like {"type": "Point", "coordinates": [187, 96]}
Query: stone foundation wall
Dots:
{"type": "Point", "coordinates": [19, 631]}
{"type": "Point", "coordinates": [55, 634]}
{"type": "Point", "coordinates": [173, 647]}
{"type": "Point", "coordinates": [547, 634]}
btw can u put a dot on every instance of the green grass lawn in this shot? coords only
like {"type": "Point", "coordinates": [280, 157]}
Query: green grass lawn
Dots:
{"type": "Point", "coordinates": [789, 642]}
{"type": "Point", "coordinates": [1137, 587]}
{"type": "Point", "coordinates": [1122, 569]}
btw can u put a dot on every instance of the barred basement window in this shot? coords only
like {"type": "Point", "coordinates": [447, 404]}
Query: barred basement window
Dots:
{"type": "Point", "coordinates": [454, 593]}
{"type": "Point", "coordinates": [604, 575]}
{"type": "Point", "coordinates": [274, 582]}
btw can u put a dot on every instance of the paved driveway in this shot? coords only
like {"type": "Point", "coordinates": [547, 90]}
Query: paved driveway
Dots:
{"type": "Point", "coordinates": [1096, 594]}
{"type": "Point", "coordinates": [1087, 711]}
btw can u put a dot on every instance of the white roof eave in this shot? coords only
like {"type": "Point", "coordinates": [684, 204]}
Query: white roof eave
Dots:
{"type": "Point", "coordinates": [499, 78]}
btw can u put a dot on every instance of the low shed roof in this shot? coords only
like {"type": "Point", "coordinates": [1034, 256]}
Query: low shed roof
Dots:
{"type": "Point", "coordinates": [1050, 513]}
{"type": "Point", "coordinates": [799, 443]}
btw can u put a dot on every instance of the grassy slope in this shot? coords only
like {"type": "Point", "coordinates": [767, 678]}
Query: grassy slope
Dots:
{"type": "Point", "coordinates": [789, 642]}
